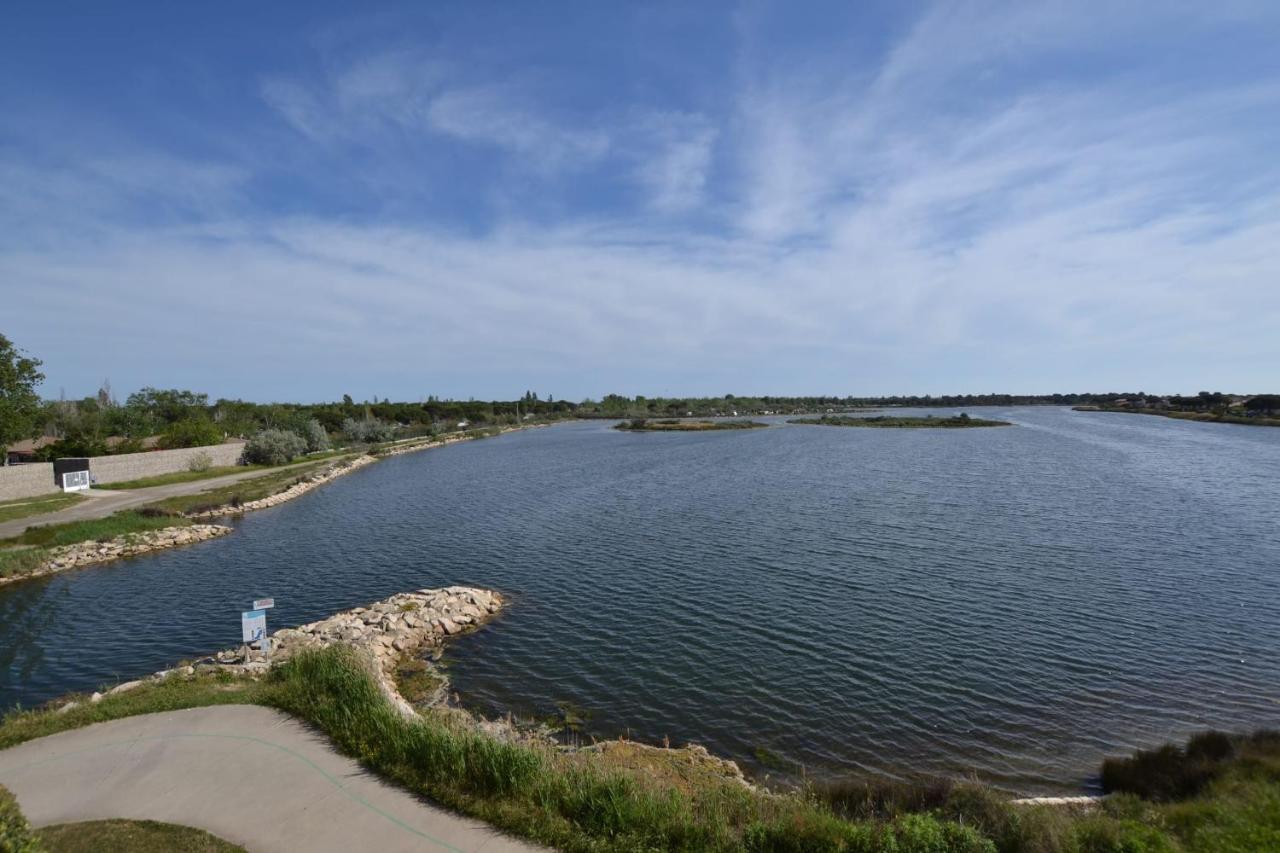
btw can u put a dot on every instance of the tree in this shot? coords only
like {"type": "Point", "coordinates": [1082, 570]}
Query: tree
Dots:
{"type": "Point", "coordinates": [193, 432]}
{"type": "Point", "coordinates": [367, 431]}
{"type": "Point", "coordinates": [1264, 403]}
{"type": "Point", "coordinates": [313, 433]}
{"type": "Point", "coordinates": [171, 405]}
{"type": "Point", "coordinates": [19, 402]}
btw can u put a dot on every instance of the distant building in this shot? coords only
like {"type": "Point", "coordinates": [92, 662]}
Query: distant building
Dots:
{"type": "Point", "coordinates": [25, 451]}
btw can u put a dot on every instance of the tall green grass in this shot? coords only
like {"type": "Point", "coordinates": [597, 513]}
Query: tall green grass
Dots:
{"type": "Point", "coordinates": [574, 801]}
{"type": "Point", "coordinates": [15, 833]}
{"type": "Point", "coordinates": [23, 554]}
{"type": "Point", "coordinates": [541, 794]}
{"type": "Point", "coordinates": [95, 530]}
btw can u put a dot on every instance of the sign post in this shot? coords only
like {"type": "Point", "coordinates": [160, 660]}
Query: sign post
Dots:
{"type": "Point", "coordinates": [253, 629]}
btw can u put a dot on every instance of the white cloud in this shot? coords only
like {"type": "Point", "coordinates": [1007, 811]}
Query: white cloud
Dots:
{"type": "Point", "coordinates": [675, 159]}
{"type": "Point", "coordinates": [490, 115]}
{"type": "Point", "coordinates": [859, 232]}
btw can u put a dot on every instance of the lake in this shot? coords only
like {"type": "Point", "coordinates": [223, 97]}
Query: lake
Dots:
{"type": "Point", "coordinates": [1013, 602]}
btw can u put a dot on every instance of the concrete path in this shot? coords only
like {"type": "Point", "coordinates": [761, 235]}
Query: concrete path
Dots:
{"type": "Point", "coordinates": [251, 775]}
{"type": "Point", "coordinates": [104, 502]}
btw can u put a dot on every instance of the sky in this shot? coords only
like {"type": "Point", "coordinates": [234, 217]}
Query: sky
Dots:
{"type": "Point", "coordinates": [473, 199]}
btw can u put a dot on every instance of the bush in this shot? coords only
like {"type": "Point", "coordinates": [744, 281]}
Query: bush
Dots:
{"type": "Point", "coordinates": [367, 431]}
{"type": "Point", "coordinates": [201, 461]}
{"type": "Point", "coordinates": [883, 799]}
{"type": "Point", "coordinates": [1171, 772]}
{"type": "Point", "coordinates": [15, 833]}
{"type": "Point", "coordinates": [313, 433]}
{"type": "Point", "coordinates": [1102, 835]}
{"type": "Point", "coordinates": [274, 447]}
{"type": "Point", "coordinates": [194, 432]}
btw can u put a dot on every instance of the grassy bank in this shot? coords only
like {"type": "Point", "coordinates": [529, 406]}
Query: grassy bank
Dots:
{"type": "Point", "coordinates": [1200, 417]}
{"type": "Point", "coordinates": [243, 491]}
{"type": "Point", "coordinates": [134, 836]}
{"type": "Point", "coordinates": [21, 554]}
{"type": "Point", "coordinates": [674, 425]}
{"type": "Point", "coordinates": [581, 801]}
{"type": "Point", "coordinates": [27, 507]}
{"type": "Point", "coordinates": [181, 477]}
{"type": "Point", "coordinates": [16, 835]}
{"type": "Point", "coordinates": [887, 422]}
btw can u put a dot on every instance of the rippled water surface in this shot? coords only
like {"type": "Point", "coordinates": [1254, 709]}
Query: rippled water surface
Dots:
{"type": "Point", "coordinates": [1015, 602]}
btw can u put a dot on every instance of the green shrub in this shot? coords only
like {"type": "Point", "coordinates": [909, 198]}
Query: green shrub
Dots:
{"type": "Point", "coordinates": [883, 799]}
{"type": "Point", "coordinates": [1171, 772]}
{"type": "Point", "coordinates": [1104, 835]}
{"type": "Point", "coordinates": [367, 431]}
{"type": "Point", "coordinates": [193, 432]}
{"type": "Point", "coordinates": [15, 833]}
{"type": "Point", "coordinates": [313, 433]}
{"type": "Point", "coordinates": [919, 833]}
{"type": "Point", "coordinates": [274, 447]}
{"type": "Point", "coordinates": [200, 462]}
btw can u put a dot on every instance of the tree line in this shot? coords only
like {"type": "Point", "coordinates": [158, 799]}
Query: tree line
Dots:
{"type": "Point", "coordinates": [174, 417]}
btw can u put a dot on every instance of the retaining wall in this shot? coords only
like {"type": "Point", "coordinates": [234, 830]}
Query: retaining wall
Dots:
{"type": "Point", "coordinates": [134, 466]}
{"type": "Point", "coordinates": [26, 481]}
{"type": "Point", "coordinates": [36, 478]}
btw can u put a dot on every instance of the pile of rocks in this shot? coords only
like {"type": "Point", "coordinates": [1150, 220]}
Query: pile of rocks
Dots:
{"type": "Point", "coordinates": [297, 489]}
{"type": "Point", "coordinates": [129, 545]}
{"type": "Point", "coordinates": [405, 623]}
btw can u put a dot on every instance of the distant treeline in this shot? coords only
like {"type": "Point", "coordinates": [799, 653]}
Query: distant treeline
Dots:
{"type": "Point", "coordinates": [182, 418]}
{"type": "Point", "coordinates": [154, 417]}
{"type": "Point", "coordinates": [617, 406]}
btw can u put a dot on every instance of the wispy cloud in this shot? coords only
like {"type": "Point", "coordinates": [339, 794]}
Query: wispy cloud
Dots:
{"type": "Point", "coordinates": [951, 213]}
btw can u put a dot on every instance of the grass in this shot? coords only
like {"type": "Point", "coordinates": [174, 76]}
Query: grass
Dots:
{"type": "Point", "coordinates": [417, 681]}
{"type": "Point", "coordinates": [675, 425]}
{"type": "Point", "coordinates": [243, 491]}
{"type": "Point", "coordinates": [958, 422]}
{"type": "Point", "coordinates": [628, 798]}
{"type": "Point", "coordinates": [182, 477]}
{"type": "Point", "coordinates": [23, 553]}
{"type": "Point", "coordinates": [131, 836]}
{"type": "Point", "coordinates": [15, 833]}
{"type": "Point", "coordinates": [26, 507]}
{"type": "Point", "coordinates": [173, 694]}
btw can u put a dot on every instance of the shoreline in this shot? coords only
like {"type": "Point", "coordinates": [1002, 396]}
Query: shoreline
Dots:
{"type": "Point", "coordinates": [1175, 415]}
{"type": "Point", "coordinates": [82, 554]}
{"type": "Point", "coordinates": [409, 626]}
{"type": "Point", "coordinates": [136, 544]}
{"type": "Point", "coordinates": [338, 675]}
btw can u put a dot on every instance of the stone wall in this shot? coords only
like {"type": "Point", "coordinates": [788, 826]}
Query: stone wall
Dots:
{"type": "Point", "coordinates": [134, 466]}
{"type": "Point", "coordinates": [26, 481]}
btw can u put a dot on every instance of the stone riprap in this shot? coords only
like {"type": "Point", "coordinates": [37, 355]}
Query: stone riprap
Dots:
{"type": "Point", "coordinates": [80, 554]}
{"type": "Point", "coordinates": [92, 552]}
{"type": "Point", "coordinates": [418, 624]}
{"type": "Point", "coordinates": [405, 623]}
{"type": "Point", "coordinates": [333, 472]}
{"type": "Point", "coordinates": [298, 489]}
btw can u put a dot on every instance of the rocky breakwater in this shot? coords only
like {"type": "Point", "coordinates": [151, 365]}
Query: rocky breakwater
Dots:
{"type": "Point", "coordinates": [406, 623]}
{"type": "Point", "coordinates": [80, 554]}
{"type": "Point", "coordinates": [304, 485]}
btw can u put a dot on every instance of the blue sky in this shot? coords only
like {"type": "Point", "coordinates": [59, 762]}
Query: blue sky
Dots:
{"type": "Point", "coordinates": [285, 202]}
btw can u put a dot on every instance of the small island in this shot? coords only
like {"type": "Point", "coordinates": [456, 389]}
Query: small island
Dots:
{"type": "Point", "coordinates": [676, 425]}
{"type": "Point", "coordinates": [960, 421]}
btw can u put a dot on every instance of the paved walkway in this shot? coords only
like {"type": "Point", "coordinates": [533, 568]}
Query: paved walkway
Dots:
{"type": "Point", "coordinates": [251, 775]}
{"type": "Point", "coordinates": [104, 502]}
